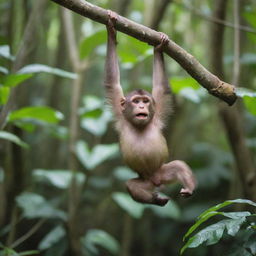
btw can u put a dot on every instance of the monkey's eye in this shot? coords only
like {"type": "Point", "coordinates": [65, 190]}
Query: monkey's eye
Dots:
{"type": "Point", "coordinates": [136, 101]}
{"type": "Point", "coordinates": [145, 100]}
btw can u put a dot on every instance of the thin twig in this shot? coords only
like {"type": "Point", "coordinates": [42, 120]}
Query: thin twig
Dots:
{"type": "Point", "coordinates": [28, 234]}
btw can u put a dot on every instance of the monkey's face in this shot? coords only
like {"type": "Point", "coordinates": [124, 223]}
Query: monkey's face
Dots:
{"type": "Point", "coordinates": [138, 110]}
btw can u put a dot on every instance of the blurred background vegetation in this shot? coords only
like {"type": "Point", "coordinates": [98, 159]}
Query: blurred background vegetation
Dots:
{"type": "Point", "coordinates": [61, 173]}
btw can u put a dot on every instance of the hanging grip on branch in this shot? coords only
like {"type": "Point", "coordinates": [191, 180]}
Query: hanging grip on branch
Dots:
{"type": "Point", "coordinates": [212, 83]}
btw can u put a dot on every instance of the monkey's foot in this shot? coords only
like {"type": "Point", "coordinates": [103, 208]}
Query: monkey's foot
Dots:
{"type": "Point", "coordinates": [161, 201]}
{"type": "Point", "coordinates": [164, 41]}
{"type": "Point", "coordinates": [185, 192]}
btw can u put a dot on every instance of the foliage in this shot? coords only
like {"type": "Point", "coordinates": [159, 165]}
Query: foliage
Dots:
{"type": "Point", "coordinates": [213, 233]}
{"type": "Point", "coordinates": [38, 181]}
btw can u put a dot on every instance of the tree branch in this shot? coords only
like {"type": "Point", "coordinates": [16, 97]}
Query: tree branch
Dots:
{"type": "Point", "coordinates": [209, 81]}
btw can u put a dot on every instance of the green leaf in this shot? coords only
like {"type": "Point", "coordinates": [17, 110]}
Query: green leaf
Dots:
{"type": "Point", "coordinates": [91, 42]}
{"type": "Point", "coordinates": [250, 104]}
{"type": "Point", "coordinates": [91, 103]}
{"type": "Point", "coordinates": [226, 203]}
{"type": "Point", "coordinates": [170, 210]}
{"type": "Point", "coordinates": [179, 83]}
{"type": "Point", "coordinates": [54, 236]}
{"type": "Point", "coordinates": [97, 237]}
{"type": "Point", "coordinates": [4, 70]}
{"type": "Point", "coordinates": [201, 220]}
{"type": "Point", "coordinates": [13, 80]}
{"type": "Point", "coordinates": [133, 208]}
{"type": "Point", "coordinates": [58, 178]}
{"type": "Point", "coordinates": [205, 217]}
{"type": "Point", "coordinates": [39, 68]}
{"type": "Point", "coordinates": [35, 206]}
{"type": "Point", "coordinates": [100, 153]}
{"type": "Point", "coordinates": [190, 94]}
{"type": "Point", "coordinates": [5, 52]}
{"type": "Point", "coordinates": [4, 95]}
{"type": "Point", "coordinates": [213, 233]}
{"type": "Point", "coordinates": [40, 113]}
{"type": "Point", "coordinates": [13, 138]}
{"type": "Point", "coordinates": [97, 125]}
{"type": "Point", "coordinates": [124, 173]}
{"type": "Point", "coordinates": [131, 51]}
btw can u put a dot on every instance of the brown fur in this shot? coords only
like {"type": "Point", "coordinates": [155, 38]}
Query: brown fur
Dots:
{"type": "Point", "coordinates": [140, 118]}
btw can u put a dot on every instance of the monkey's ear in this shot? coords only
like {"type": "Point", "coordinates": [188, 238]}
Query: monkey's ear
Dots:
{"type": "Point", "coordinates": [122, 102]}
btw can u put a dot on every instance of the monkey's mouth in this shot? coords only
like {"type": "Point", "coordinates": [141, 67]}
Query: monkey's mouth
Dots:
{"type": "Point", "coordinates": [142, 116]}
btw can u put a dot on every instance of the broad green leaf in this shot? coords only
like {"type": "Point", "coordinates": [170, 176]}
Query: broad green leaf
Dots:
{"type": "Point", "coordinates": [132, 51]}
{"type": "Point", "coordinates": [52, 238]}
{"type": "Point", "coordinates": [97, 125]}
{"type": "Point", "coordinates": [91, 42]}
{"type": "Point", "coordinates": [40, 113]}
{"type": "Point", "coordinates": [97, 237]}
{"type": "Point", "coordinates": [96, 113]}
{"type": "Point", "coordinates": [250, 104]}
{"type": "Point", "coordinates": [13, 80]}
{"type": "Point", "coordinates": [213, 233]}
{"type": "Point", "coordinates": [133, 208]}
{"type": "Point", "coordinates": [91, 103]}
{"type": "Point", "coordinates": [250, 17]}
{"type": "Point", "coordinates": [5, 52]}
{"type": "Point", "coordinates": [100, 153]}
{"type": "Point", "coordinates": [39, 68]}
{"type": "Point", "coordinates": [60, 132]}
{"type": "Point", "coordinates": [4, 94]}
{"type": "Point", "coordinates": [36, 206]}
{"type": "Point", "coordinates": [190, 94]}
{"type": "Point", "coordinates": [58, 178]}
{"type": "Point", "coordinates": [179, 83]}
{"type": "Point", "coordinates": [124, 173]}
{"type": "Point", "coordinates": [226, 203]}
{"type": "Point", "coordinates": [26, 126]}
{"type": "Point", "coordinates": [205, 217]}
{"type": "Point", "coordinates": [13, 138]}
{"type": "Point", "coordinates": [4, 70]}
{"type": "Point", "coordinates": [170, 210]}
{"type": "Point", "coordinates": [201, 220]}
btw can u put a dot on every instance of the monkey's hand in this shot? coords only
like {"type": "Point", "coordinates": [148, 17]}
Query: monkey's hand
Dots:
{"type": "Point", "coordinates": [164, 41]}
{"type": "Point", "coordinates": [112, 18]}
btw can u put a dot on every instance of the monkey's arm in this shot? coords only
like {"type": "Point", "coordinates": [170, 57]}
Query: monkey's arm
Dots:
{"type": "Point", "coordinates": [161, 90]}
{"type": "Point", "coordinates": [112, 76]}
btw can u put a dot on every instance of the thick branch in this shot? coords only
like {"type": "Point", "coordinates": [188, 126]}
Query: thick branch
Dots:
{"type": "Point", "coordinates": [209, 81]}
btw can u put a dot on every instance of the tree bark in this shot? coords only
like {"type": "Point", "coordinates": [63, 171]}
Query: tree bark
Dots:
{"type": "Point", "coordinates": [159, 13]}
{"type": "Point", "coordinates": [74, 190]}
{"type": "Point", "coordinates": [231, 117]}
{"type": "Point", "coordinates": [209, 81]}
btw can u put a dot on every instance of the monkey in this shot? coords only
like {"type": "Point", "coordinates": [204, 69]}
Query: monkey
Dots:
{"type": "Point", "coordinates": [139, 119]}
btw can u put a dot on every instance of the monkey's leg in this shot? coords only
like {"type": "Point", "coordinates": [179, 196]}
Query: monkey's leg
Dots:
{"type": "Point", "coordinates": [176, 171]}
{"type": "Point", "coordinates": [143, 191]}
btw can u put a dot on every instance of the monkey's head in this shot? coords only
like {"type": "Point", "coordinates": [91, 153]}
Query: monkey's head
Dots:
{"type": "Point", "coordinates": [138, 108]}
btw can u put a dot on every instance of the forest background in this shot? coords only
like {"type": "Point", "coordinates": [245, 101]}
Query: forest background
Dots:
{"type": "Point", "coordinates": [62, 177]}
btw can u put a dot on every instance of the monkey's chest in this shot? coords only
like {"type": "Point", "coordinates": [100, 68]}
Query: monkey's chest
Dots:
{"type": "Point", "coordinates": [144, 153]}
